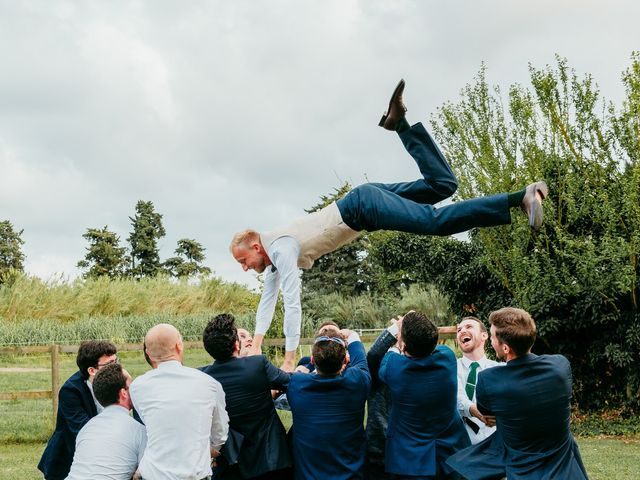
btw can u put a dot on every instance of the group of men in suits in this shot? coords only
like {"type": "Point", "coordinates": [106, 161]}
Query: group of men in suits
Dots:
{"type": "Point", "coordinates": [429, 416]}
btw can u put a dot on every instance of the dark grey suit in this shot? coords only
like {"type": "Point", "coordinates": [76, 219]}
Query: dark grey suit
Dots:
{"type": "Point", "coordinates": [257, 438]}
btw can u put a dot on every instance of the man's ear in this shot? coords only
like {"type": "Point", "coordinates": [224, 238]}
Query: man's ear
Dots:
{"type": "Point", "coordinates": [312, 361]}
{"type": "Point", "coordinates": [484, 336]}
{"type": "Point", "coordinates": [347, 359]}
{"type": "Point", "coordinates": [236, 347]}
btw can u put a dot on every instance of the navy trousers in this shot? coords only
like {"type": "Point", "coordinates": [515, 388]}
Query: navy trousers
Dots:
{"type": "Point", "coordinates": [408, 206]}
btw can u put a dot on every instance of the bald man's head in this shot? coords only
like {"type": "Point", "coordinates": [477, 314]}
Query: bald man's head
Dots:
{"type": "Point", "coordinates": [162, 343]}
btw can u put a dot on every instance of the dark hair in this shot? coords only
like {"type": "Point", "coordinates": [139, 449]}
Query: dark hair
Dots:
{"type": "Point", "coordinates": [482, 326]}
{"type": "Point", "coordinates": [328, 356]}
{"type": "Point", "coordinates": [89, 354]}
{"type": "Point", "coordinates": [107, 384]}
{"type": "Point", "coordinates": [419, 334]}
{"type": "Point", "coordinates": [515, 327]}
{"type": "Point", "coordinates": [220, 335]}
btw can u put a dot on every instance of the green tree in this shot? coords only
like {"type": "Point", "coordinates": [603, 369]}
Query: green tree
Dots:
{"type": "Point", "coordinates": [344, 271]}
{"type": "Point", "coordinates": [579, 275]}
{"type": "Point", "coordinates": [147, 230]}
{"type": "Point", "coordinates": [188, 262]}
{"type": "Point", "coordinates": [105, 256]}
{"type": "Point", "coordinates": [11, 256]}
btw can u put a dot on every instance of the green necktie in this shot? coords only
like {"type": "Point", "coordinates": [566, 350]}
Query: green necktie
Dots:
{"type": "Point", "coordinates": [471, 380]}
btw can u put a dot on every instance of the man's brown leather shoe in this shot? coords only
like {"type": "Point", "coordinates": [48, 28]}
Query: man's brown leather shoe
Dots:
{"type": "Point", "coordinates": [396, 109]}
{"type": "Point", "coordinates": [532, 202]}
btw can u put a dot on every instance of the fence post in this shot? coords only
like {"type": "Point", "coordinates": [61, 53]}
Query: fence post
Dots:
{"type": "Point", "coordinates": [55, 378]}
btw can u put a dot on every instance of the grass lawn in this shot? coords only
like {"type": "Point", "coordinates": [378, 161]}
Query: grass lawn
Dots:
{"type": "Point", "coordinates": [605, 459]}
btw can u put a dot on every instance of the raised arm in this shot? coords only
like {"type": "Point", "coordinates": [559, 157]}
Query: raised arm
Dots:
{"type": "Point", "coordinates": [284, 254]}
{"type": "Point", "coordinates": [383, 343]}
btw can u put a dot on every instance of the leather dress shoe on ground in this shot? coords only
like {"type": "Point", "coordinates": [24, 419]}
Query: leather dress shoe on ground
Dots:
{"type": "Point", "coordinates": [532, 204]}
{"type": "Point", "coordinates": [396, 109]}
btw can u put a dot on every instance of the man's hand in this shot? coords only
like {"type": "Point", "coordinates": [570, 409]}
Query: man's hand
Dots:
{"type": "Point", "coordinates": [345, 332]}
{"type": "Point", "coordinates": [302, 369]}
{"type": "Point", "coordinates": [488, 420]}
{"type": "Point", "coordinates": [289, 361]}
{"type": "Point", "coordinates": [288, 366]}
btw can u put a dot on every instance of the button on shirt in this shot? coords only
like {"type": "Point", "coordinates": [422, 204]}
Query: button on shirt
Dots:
{"type": "Point", "coordinates": [464, 365]}
{"type": "Point", "coordinates": [284, 273]}
{"type": "Point", "coordinates": [184, 412]}
{"type": "Point", "coordinates": [109, 446]}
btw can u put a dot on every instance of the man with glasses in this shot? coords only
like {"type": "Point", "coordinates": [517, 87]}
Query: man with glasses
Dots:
{"type": "Point", "coordinates": [110, 445]}
{"type": "Point", "coordinates": [76, 406]}
{"type": "Point", "coordinates": [328, 409]}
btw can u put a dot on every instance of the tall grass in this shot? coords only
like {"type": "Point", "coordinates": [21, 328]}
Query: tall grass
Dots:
{"type": "Point", "coordinates": [30, 298]}
{"type": "Point", "coordinates": [33, 311]}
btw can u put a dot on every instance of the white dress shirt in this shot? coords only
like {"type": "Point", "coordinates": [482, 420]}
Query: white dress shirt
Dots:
{"type": "Point", "coordinates": [464, 365]}
{"type": "Point", "coordinates": [284, 273]}
{"type": "Point", "coordinates": [99, 407]}
{"type": "Point", "coordinates": [108, 447]}
{"type": "Point", "coordinates": [184, 412]}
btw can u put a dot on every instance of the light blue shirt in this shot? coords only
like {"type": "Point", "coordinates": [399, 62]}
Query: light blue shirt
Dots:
{"type": "Point", "coordinates": [283, 273]}
{"type": "Point", "coordinates": [109, 447]}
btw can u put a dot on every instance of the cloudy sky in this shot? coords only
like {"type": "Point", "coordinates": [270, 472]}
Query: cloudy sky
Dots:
{"type": "Point", "coordinates": [235, 114]}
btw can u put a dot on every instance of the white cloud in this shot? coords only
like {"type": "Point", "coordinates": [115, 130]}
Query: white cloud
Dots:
{"type": "Point", "coordinates": [235, 114]}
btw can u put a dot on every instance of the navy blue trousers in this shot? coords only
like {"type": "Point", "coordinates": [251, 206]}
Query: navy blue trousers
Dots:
{"type": "Point", "coordinates": [408, 206]}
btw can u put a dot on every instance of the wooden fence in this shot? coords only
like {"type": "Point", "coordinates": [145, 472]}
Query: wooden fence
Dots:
{"type": "Point", "coordinates": [445, 333]}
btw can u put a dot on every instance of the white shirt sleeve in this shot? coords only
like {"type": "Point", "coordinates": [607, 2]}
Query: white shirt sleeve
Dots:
{"type": "Point", "coordinates": [268, 300]}
{"type": "Point", "coordinates": [220, 420]}
{"type": "Point", "coordinates": [284, 253]}
{"type": "Point", "coordinates": [463, 401]}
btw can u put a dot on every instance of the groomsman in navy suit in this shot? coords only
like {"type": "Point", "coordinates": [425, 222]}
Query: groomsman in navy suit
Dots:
{"type": "Point", "coordinates": [76, 406]}
{"type": "Point", "coordinates": [328, 410]}
{"type": "Point", "coordinates": [424, 426]}
{"type": "Point", "coordinates": [531, 399]}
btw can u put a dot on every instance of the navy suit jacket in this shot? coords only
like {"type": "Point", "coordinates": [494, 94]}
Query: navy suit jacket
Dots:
{"type": "Point", "coordinates": [328, 417]}
{"type": "Point", "coordinates": [424, 425]}
{"type": "Point", "coordinates": [531, 399]}
{"type": "Point", "coordinates": [260, 436]}
{"type": "Point", "coordinates": [75, 408]}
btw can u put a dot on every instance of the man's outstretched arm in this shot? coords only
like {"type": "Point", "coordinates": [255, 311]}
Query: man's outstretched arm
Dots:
{"type": "Point", "coordinates": [266, 307]}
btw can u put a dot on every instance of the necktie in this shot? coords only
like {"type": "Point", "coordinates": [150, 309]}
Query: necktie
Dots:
{"type": "Point", "coordinates": [471, 380]}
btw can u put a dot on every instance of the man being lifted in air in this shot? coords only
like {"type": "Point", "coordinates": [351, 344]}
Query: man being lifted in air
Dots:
{"type": "Point", "coordinates": [405, 207]}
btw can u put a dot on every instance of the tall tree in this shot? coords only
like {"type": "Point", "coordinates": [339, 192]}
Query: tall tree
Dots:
{"type": "Point", "coordinates": [105, 256]}
{"type": "Point", "coordinates": [147, 230]}
{"type": "Point", "coordinates": [579, 275]}
{"type": "Point", "coordinates": [11, 256]}
{"type": "Point", "coordinates": [188, 262]}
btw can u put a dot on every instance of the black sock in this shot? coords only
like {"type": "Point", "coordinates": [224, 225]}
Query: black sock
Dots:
{"type": "Point", "coordinates": [402, 125]}
{"type": "Point", "coordinates": [515, 198]}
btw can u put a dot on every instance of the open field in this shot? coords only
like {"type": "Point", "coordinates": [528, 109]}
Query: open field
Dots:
{"type": "Point", "coordinates": [25, 425]}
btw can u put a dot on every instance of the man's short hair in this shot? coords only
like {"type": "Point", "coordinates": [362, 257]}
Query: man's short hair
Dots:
{"type": "Point", "coordinates": [419, 334]}
{"type": "Point", "coordinates": [515, 327]}
{"type": "Point", "coordinates": [107, 383]}
{"type": "Point", "coordinates": [328, 328]}
{"type": "Point", "coordinates": [220, 335]}
{"type": "Point", "coordinates": [329, 355]}
{"type": "Point", "coordinates": [244, 238]}
{"type": "Point", "coordinates": [482, 327]}
{"type": "Point", "coordinates": [89, 355]}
